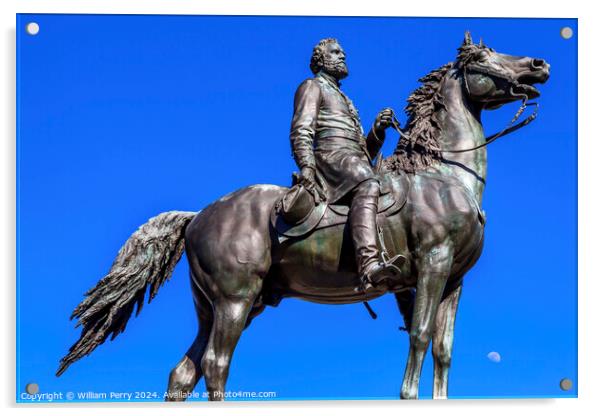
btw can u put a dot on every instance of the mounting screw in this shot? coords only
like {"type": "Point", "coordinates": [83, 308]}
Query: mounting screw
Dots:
{"type": "Point", "coordinates": [566, 384]}
{"type": "Point", "coordinates": [32, 388]}
{"type": "Point", "coordinates": [32, 28]}
{"type": "Point", "coordinates": [566, 32]}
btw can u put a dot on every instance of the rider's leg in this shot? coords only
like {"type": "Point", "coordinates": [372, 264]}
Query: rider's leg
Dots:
{"type": "Point", "coordinates": [362, 218]}
{"type": "Point", "coordinates": [372, 268]}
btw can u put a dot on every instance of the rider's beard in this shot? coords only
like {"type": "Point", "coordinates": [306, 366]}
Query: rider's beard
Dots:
{"type": "Point", "coordinates": [337, 69]}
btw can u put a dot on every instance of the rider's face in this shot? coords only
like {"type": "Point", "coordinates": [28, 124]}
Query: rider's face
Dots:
{"type": "Point", "coordinates": [334, 61]}
{"type": "Point", "coordinates": [334, 52]}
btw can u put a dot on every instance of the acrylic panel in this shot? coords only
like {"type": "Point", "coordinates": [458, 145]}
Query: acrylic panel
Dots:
{"type": "Point", "coordinates": [123, 117]}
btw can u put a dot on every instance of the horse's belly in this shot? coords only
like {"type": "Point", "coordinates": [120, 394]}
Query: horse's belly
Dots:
{"type": "Point", "coordinates": [321, 267]}
{"type": "Point", "coordinates": [323, 260]}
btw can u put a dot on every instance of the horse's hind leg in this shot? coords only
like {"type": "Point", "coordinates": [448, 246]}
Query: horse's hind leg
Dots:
{"type": "Point", "coordinates": [230, 318]}
{"type": "Point", "coordinates": [187, 373]}
{"type": "Point", "coordinates": [433, 272]}
{"type": "Point", "coordinates": [443, 339]}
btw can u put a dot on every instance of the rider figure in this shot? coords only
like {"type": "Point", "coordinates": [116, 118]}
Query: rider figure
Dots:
{"type": "Point", "coordinates": [335, 157]}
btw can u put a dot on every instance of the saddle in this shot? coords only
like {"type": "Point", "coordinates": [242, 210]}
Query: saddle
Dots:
{"type": "Point", "coordinates": [392, 198]}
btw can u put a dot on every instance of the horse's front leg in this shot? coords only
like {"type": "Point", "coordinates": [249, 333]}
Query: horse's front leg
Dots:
{"type": "Point", "coordinates": [443, 339]}
{"type": "Point", "coordinates": [433, 272]}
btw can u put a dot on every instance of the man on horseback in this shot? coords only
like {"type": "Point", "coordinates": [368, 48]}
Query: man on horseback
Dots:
{"type": "Point", "coordinates": [334, 156]}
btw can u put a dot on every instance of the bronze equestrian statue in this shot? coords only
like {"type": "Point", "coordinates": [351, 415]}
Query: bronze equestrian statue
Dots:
{"type": "Point", "coordinates": [242, 257]}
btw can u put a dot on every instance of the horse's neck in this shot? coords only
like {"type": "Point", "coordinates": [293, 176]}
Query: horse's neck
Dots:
{"type": "Point", "coordinates": [461, 129]}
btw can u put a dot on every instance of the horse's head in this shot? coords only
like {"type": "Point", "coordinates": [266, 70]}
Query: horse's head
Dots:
{"type": "Point", "coordinates": [493, 79]}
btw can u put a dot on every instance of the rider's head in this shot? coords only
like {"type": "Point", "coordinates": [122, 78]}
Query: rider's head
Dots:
{"type": "Point", "coordinates": [329, 57]}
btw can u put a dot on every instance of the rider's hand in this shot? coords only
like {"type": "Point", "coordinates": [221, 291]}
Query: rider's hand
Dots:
{"type": "Point", "coordinates": [308, 180]}
{"type": "Point", "coordinates": [384, 119]}
{"type": "Point", "coordinates": [308, 177]}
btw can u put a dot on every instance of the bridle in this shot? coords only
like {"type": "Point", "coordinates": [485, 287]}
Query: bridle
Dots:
{"type": "Point", "coordinates": [488, 140]}
{"type": "Point", "coordinates": [510, 128]}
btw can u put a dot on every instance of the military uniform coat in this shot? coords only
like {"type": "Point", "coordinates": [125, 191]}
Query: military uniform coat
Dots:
{"type": "Point", "coordinates": [326, 135]}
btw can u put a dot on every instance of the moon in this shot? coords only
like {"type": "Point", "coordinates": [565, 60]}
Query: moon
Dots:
{"type": "Point", "coordinates": [494, 356]}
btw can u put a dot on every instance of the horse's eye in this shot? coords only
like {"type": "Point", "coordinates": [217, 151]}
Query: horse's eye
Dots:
{"type": "Point", "coordinates": [482, 57]}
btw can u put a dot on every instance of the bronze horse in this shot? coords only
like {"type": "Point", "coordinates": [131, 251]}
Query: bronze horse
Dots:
{"type": "Point", "coordinates": [238, 264]}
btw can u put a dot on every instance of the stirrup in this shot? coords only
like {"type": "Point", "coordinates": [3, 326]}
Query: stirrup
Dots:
{"type": "Point", "coordinates": [384, 254]}
{"type": "Point", "coordinates": [386, 270]}
{"type": "Point", "coordinates": [367, 283]}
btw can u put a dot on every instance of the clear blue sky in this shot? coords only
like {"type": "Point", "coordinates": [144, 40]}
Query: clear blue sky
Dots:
{"type": "Point", "coordinates": [123, 117]}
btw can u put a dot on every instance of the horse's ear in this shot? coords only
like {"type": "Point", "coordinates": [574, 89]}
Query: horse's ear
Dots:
{"type": "Point", "coordinates": [467, 38]}
{"type": "Point", "coordinates": [481, 43]}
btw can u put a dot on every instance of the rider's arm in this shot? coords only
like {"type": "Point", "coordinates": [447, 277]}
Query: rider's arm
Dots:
{"type": "Point", "coordinates": [303, 126]}
{"type": "Point", "coordinates": [374, 141]}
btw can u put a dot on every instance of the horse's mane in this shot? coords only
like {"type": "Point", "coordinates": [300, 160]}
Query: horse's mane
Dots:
{"type": "Point", "coordinates": [415, 151]}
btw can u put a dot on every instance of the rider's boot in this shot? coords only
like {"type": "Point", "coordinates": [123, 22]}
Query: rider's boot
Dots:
{"type": "Point", "coordinates": [372, 267]}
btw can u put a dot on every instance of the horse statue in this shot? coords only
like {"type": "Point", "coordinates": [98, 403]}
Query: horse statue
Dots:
{"type": "Point", "coordinates": [239, 262]}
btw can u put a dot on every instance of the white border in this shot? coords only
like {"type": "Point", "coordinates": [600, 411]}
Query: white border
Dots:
{"type": "Point", "coordinates": [308, 7]}
{"type": "Point", "coordinates": [590, 316]}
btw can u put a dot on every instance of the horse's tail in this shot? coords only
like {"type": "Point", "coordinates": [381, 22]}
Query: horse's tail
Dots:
{"type": "Point", "coordinates": [146, 259]}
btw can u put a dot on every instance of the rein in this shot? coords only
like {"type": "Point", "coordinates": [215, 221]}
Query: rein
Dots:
{"type": "Point", "coordinates": [510, 128]}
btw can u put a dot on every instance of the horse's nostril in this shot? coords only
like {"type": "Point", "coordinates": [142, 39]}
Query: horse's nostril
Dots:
{"type": "Point", "coordinates": [538, 63]}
